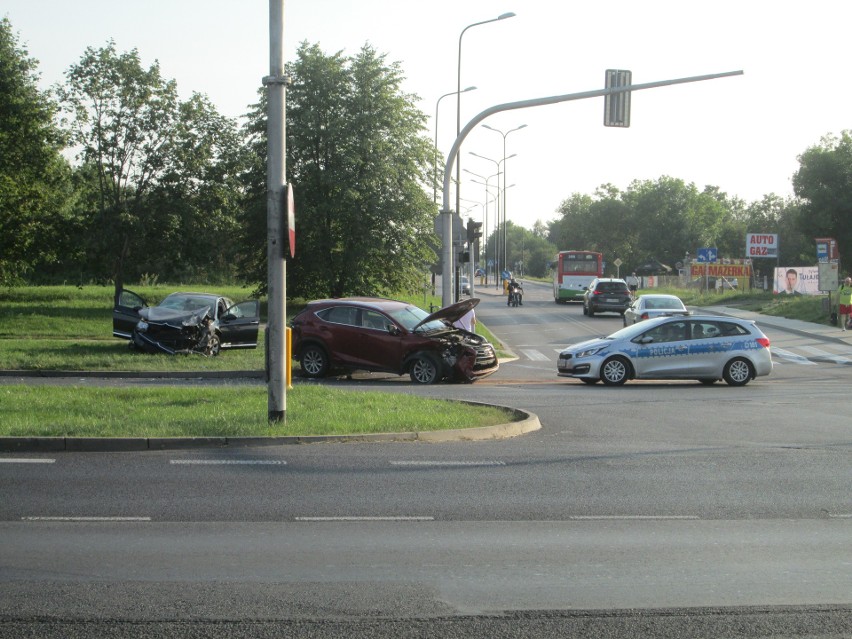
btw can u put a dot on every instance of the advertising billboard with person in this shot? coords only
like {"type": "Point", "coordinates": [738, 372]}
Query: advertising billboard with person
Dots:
{"type": "Point", "coordinates": [797, 280]}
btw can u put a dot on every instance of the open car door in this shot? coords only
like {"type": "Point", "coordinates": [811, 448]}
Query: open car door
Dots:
{"type": "Point", "coordinates": [125, 315]}
{"type": "Point", "coordinates": [239, 325]}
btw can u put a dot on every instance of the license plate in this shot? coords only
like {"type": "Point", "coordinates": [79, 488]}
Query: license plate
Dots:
{"type": "Point", "coordinates": [612, 301]}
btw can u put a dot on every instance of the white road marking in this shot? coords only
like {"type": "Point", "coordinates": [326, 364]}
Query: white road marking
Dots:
{"type": "Point", "coordinates": [27, 461]}
{"type": "Point", "coordinates": [355, 518]}
{"type": "Point", "coordinates": [792, 357]}
{"type": "Point", "coordinates": [229, 462]}
{"type": "Point", "coordinates": [535, 355]}
{"type": "Point", "coordinates": [837, 359]}
{"type": "Point", "coordinates": [438, 463]}
{"type": "Point", "coordinates": [85, 519]}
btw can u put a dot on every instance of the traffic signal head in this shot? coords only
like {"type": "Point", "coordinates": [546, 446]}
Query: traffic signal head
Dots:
{"type": "Point", "coordinates": [474, 231]}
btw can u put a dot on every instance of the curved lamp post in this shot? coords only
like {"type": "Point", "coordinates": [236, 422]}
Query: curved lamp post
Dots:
{"type": "Point", "coordinates": [502, 16]}
{"type": "Point", "coordinates": [491, 128]}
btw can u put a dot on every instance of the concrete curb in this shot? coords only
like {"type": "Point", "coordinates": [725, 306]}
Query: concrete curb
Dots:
{"type": "Point", "coordinates": [525, 422]}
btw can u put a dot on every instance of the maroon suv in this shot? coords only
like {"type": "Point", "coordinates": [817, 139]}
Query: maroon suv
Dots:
{"type": "Point", "coordinates": [364, 333]}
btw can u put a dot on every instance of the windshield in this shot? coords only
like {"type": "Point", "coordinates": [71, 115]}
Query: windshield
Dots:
{"type": "Point", "coordinates": [411, 316]}
{"type": "Point", "coordinates": [629, 332]}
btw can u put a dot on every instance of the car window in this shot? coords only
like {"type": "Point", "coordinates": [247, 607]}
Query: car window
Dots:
{"type": "Point", "coordinates": [668, 332]}
{"type": "Point", "coordinates": [612, 287]}
{"type": "Point", "coordinates": [340, 315]}
{"type": "Point", "coordinates": [372, 319]}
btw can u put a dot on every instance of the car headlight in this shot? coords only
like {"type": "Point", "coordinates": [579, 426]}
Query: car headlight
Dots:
{"type": "Point", "coordinates": [589, 352]}
{"type": "Point", "coordinates": [142, 326]}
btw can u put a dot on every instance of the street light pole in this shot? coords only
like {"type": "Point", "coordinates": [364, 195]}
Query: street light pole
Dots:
{"type": "Point", "coordinates": [485, 226]}
{"type": "Point", "coordinates": [446, 287]}
{"type": "Point", "coordinates": [505, 222]}
{"type": "Point", "coordinates": [435, 170]}
{"type": "Point", "coordinates": [497, 225]}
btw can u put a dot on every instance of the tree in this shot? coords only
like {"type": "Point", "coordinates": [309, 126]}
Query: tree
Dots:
{"type": "Point", "coordinates": [122, 119]}
{"type": "Point", "coordinates": [35, 182]}
{"type": "Point", "coordinates": [824, 182]}
{"type": "Point", "coordinates": [359, 159]}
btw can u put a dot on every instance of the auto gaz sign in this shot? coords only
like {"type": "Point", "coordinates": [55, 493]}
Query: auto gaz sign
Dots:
{"type": "Point", "coordinates": [761, 245]}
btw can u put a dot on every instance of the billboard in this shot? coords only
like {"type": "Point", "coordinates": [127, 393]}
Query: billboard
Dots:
{"type": "Point", "coordinates": [797, 280]}
{"type": "Point", "coordinates": [761, 245]}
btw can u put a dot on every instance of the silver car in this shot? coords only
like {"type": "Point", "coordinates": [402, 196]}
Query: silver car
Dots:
{"type": "Point", "coordinates": [653, 305]}
{"type": "Point", "coordinates": [705, 348]}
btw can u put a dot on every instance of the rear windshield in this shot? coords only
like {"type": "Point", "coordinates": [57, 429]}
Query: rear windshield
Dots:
{"type": "Point", "coordinates": [612, 287]}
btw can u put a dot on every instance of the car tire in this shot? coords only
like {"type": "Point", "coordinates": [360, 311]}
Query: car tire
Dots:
{"type": "Point", "coordinates": [738, 372]}
{"type": "Point", "coordinates": [589, 380]}
{"type": "Point", "coordinates": [214, 347]}
{"type": "Point", "coordinates": [313, 361]}
{"type": "Point", "coordinates": [615, 371]}
{"type": "Point", "coordinates": [424, 369]}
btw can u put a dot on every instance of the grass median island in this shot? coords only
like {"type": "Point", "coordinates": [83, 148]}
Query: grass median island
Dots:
{"type": "Point", "coordinates": [73, 411]}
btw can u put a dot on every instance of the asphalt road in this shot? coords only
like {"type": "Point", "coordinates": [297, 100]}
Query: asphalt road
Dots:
{"type": "Point", "coordinates": [653, 509]}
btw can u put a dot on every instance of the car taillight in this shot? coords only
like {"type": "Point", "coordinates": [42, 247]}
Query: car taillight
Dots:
{"type": "Point", "coordinates": [598, 292]}
{"type": "Point", "coordinates": [763, 341]}
{"type": "Point", "coordinates": [644, 316]}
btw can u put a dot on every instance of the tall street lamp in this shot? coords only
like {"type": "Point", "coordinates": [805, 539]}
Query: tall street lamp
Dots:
{"type": "Point", "coordinates": [485, 226]}
{"type": "Point", "coordinates": [505, 253]}
{"type": "Point", "coordinates": [435, 170]}
{"type": "Point", "coordinates": [458, 102]}
{"type": "Point", "coordinates": [497, 218]}
{"type": "Point", "coordinates": [501, 172]}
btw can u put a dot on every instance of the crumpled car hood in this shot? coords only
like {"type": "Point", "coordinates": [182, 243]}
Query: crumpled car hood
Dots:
{"type": "Point", "coordinates": [451, 313]}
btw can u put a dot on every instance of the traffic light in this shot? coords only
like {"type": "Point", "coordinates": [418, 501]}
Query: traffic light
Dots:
{"type": "Point", "coordinates": [474, 231]}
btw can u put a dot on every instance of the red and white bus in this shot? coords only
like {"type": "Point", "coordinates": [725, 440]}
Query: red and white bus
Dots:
{"type": "Point", "coordinates": [573, 272]}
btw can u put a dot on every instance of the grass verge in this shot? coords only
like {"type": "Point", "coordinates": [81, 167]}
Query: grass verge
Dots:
{"type": "Point", "coordinates": [62, 411]}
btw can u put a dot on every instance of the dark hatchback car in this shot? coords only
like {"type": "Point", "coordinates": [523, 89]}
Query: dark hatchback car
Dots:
{"type": "Point", "coordinates": [174, 325]}
{"type": "Point", "coordinates": [606, 295]}
{"type": "Point", "coordinates": [363, 333]}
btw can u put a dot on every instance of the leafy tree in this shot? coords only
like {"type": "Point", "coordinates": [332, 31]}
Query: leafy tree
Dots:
{"type": "Point", "coordinates": [122, 120]}
{"type": "Point", "coordinates": [359, 161]}
{"type": "Point", "coordinates": [824, 182]}
{"type": "Point", "coordinates": [35, 181]}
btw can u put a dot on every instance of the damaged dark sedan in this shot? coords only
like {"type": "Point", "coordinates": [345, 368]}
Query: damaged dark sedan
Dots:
{"type": "Point", "coordinates": [186, 323]}
{"type": "Point", "coordinates": [364, 333]}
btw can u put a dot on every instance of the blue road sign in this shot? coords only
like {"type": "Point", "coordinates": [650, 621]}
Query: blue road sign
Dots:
{"type": "Point", "coordinates": [707, 254]}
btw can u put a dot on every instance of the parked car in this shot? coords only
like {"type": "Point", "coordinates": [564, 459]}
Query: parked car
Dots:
{"type": "Point", "coordinates": [606, 295]}
{"type": "Point", "coordinates": [653, 305]}
{"type": "Point", "coordinates": [465, 285]}
{"type": "Point", "coordinates": [186, 323]}
{"type": "Point", "coordinates": [704, 348]}
{"type": "Point", "coordinates": [363, 333]}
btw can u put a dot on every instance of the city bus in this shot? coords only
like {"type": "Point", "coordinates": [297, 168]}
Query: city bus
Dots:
{"type": "Point", "coordinates": [572, 273]}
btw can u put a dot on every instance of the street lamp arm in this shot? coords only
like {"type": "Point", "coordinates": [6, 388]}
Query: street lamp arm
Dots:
{"type": "Point", "coordinates": [556, 99]}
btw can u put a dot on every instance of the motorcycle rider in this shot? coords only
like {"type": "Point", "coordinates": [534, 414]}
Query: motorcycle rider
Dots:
{"type": "Point", "coordinates": [514, 287]}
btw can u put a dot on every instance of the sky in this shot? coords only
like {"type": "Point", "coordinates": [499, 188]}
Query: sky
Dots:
{"type": "Point", "coordinates": [741, 134]}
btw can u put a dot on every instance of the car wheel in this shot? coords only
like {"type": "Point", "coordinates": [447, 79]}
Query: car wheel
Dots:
{"type": "Point", "coordinates": [738, 372]}
{"type": "Point", "coordinates": [708, 381]}
{"type": "Point", "coordinates": [314, 361]}
{"type": "Point", "coordinates": [589, 380]}
{"type": "Point", "coordinates": [424, 369]}
{"type": "Point", "coordinates": [615, 371]}
{"type": "Point", "coordinates": [214, 346]}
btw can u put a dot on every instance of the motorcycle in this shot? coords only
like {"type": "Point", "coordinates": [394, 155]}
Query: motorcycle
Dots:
{"type": "Point", "coordinates": [515, 295]}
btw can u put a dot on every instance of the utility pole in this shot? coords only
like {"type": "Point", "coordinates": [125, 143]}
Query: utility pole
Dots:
{"type": "Point", "coordinates": [276, 180]}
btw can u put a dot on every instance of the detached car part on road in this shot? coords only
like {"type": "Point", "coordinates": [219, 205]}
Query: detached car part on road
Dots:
{"type": "Point", "coordinates": [704, 348]}
{"type": "Point", "coordinates": [185, 323]}
{"type": "Point", "coordinates": [371, 334]}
